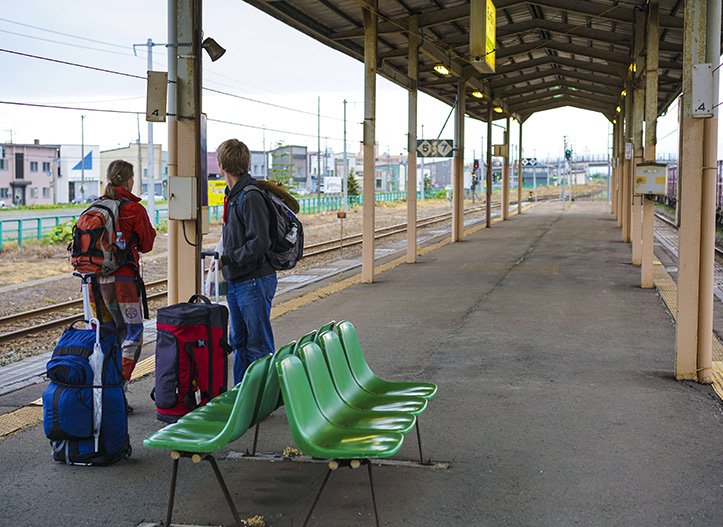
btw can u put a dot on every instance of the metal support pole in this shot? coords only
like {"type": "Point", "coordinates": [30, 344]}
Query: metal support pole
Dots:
{"type": "Point", "coordinates": [184, 251]}
{"type": "Point", "coordinates": [413, 74]}
{"type": "Point", "coordinates": [621, 170]}
{"type": "Point", "coordinates": [316, 499]}
{"type": "Point", "coordinates": [224, 489]}
{"type": "Point", "coordinates": [707, 228]}
{"type": "Point", "coordinates": [370, 104]}
{"type": "Point", "coordinates": [520, 179]}
{"type": "Point", "coordinates": [488, 174]}
{"type": "Point", "coordinates": [651, 116]}
{"type": "Point", "coordinates": [627, 169]}
{"type": "Point", "coordinates": [506, 173]}
{"type": "Point", "coordinates": [374, 499]}
{"type": "Point", "coordinates": [172, 493]}
{"type": "Point", "coordinates": [173, 232]}
{"type": "Point", "coordinates": [689, 261]}
{"type": "Point", "coordinates": [458, 166]}
{"type": "Point", "coordinates": [636, 224]}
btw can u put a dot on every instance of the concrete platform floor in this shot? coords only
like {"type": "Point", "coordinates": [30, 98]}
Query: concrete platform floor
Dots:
{"type": "Point", "coordinates": [556, 406]}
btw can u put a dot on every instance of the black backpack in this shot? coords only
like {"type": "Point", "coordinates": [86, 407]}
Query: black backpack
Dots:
{"type": "Point", "coordinates": [286, 231]}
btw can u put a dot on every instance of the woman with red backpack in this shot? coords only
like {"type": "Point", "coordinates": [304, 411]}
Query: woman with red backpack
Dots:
{"type": "Point", "coordinates": [119, 301]}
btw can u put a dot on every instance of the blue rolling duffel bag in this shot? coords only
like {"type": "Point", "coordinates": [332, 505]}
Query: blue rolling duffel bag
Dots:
{"type": "Point", "coordinates": [84, 406]}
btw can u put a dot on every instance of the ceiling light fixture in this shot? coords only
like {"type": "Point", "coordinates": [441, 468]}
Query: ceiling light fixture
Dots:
{"type": "Point", "coordinates": [478, 94]}
{"type": "Point", "coordinates": [442, 70]}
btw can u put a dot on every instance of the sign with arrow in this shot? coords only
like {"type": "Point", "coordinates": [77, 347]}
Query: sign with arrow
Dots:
{"type": "Point", "coordinates": [435, 147]}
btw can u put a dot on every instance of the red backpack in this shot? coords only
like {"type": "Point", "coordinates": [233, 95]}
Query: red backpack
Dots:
{"type": "Point", "coordinates": [93, 249]}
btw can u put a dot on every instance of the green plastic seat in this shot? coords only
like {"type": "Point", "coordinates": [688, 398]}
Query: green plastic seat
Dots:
{"type": "Point", "coordinates": [271, 392]}
{"type": "Point", "coordinates": [352, 393]}
{"type": "Point", "coordinates": [329, 326]}
{"type": "Point", "coordinates": [309, 337]}
{"type": "Point", "coordinates": [207, 436]}
{"type": "Point", "coordinates": [366, 378]}
{"type": "Point", "coordinates": [335, 409]}
{"type": "Point", "coordinates": [314, 435]}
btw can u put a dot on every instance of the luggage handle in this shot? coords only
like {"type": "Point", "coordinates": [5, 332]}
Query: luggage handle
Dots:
{"type": "Point", "coordinates": [204, 299]}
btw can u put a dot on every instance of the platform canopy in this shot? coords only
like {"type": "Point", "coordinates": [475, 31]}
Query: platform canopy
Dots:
{"type": "Point", "coordinates": [549, 53]}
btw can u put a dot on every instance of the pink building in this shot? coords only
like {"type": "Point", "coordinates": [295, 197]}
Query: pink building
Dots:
{"type": "Point", "coordinates": [28, 173]}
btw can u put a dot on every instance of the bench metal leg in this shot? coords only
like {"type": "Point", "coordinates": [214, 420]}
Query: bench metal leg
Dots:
{"type": "Point", "coordinates": [226, 493]}
{"type": "Point", "coordinates": [256, 438]}
{"type": "Point", "coordinates": [316, 500]}
{"type": "Point", "coordinates": [374, 499]}
{"type": "Point", "coordinates": [174, 477]}
{"type": "Point", "coordinates": [419, 443]}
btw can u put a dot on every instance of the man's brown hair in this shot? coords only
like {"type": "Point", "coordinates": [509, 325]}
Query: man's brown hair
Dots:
{"type": "Point", "coordinates": [234, 156]}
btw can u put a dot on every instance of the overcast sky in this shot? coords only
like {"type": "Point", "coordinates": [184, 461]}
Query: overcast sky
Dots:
{"type": "Point", "coordinates": [265, 60]}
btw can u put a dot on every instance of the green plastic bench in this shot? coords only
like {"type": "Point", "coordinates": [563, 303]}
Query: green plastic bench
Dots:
{"type": "Point", "coordinates": [335, 410]}
{"type": "Point", "coordinates": [199, 439]}
{"type": "Point", "coordinates": [354, 395]}
{"type": "Point", "coordinates": [315, 436]}
{"type": "Point", "coordinates": [366, 378]}
{"type": "Point", "coordinates": [270, 398]}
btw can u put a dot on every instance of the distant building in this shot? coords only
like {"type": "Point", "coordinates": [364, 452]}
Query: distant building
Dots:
{"type": "Point", "coordinates": [258, 165]}
{"type": "Point", "coordinates": [291, 162]}
{"type": "Point", "coordinates": [28, 173]}
{"type": "Point", "coordinates": [136, 155]}
{"type": "Point", "coordinates": [323, 160]}
{"type": "Point", "coordinates": [78, 180]}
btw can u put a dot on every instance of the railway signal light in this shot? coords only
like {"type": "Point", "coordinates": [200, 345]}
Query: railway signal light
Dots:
{"type": "Point", "coordinates": [568, 154]}
{"type": "Point", "coordinates": [475, 166]}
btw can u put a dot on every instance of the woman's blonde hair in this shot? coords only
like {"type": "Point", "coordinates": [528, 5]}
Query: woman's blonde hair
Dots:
{"type": "Point", "coordinates": [119, 172]}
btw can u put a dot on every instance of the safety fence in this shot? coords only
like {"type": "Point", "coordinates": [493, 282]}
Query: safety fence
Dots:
{"type": "Point", "coordinates": [20, 230]}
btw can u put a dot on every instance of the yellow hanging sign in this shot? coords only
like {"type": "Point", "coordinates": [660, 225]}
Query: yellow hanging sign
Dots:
{"type": "Point", "coordinates": [482, 35]}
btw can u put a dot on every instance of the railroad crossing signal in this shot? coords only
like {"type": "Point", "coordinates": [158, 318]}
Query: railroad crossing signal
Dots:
{"type": "Point", "coordinates": [435, 147]}
{"type": "Point", "coordinates": [529, 161]}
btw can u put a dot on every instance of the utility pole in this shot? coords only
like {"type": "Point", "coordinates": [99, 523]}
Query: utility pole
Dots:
{"type": "Point", "coordinates": [318, 153]}
{"type": "Point", "coordinates": [150, 184]}
{"type": "Point", "coordinates": [82, 159]}
{"type": "Point", "coordinates": [424, 184]}
{"type": "Point", "coordinates": [344, 181]}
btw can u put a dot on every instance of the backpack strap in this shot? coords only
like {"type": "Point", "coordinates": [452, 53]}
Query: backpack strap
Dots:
{"type": "Point", "coordinates": [272, 215]}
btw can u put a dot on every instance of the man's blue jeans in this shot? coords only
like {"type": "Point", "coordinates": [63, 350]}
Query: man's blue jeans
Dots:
{"type": "Point", "coordinates": [249, 303]}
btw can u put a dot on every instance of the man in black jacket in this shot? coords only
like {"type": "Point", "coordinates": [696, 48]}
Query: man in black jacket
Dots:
{"type": "Point", "coordinates": [251, 279]}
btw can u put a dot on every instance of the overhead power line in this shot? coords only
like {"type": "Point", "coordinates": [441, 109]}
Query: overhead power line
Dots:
{"type": "Point", "coordinates": [65, 43]}
{"type": "Point", "coordinates": [103, 70]}
{"type": "Point", "coordinates": [77, 108]}
{"type": "Point", "coordinates": [87, 39]}
{"type": "Point", "coordinates": [129, 112]}
{"type": "Point", "coordinates": [75, 64]}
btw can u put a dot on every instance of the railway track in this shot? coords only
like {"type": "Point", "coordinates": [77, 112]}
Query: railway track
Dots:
{"type": "Point", "coordinates": [312, 250]}
{"type": "Point", "coordinates": [671, 223]}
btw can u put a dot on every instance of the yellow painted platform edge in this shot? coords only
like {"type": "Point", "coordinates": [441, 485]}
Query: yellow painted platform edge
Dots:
{"type": "Point", "coordinates": [668, 290]}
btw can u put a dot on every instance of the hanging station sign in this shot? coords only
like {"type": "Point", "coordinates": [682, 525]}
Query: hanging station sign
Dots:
{"type": "Point", "coordinates": [482, 35]}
